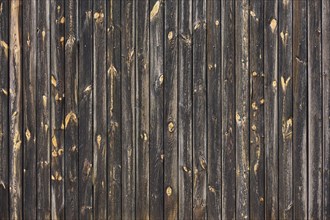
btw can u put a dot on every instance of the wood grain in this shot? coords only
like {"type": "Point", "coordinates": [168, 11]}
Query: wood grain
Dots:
{"type": "Point", "coordinates": [85, 109]}
{"type": "Point", "coordinates": [242, 99]}
{"type": "Point", "coordinates": [114, 172]}
{"type": "Point", "coordinates": [199, 110]}
{"type": "Point", "coordinates": [214, 100]}
{"type": "Point", "coordinates": [29, 45]}
{"type": "Point", "coordinates": [57, 77]}
{"type": "Point", "coordinates": [164, 109]}
{"type": "Point", "coordinates": [70, 122]}
{"type": "Point", "coordinates": [4, 110]}
{"type": "Point", "coordinates": [156, 90]}
{"type": "Point", "coordinates": [300, 109]}
{"type": "Point", "coordinates": [184, 109]}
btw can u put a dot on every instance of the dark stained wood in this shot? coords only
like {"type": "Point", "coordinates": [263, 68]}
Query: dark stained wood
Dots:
{"type": "Point", "coordinates": [184, 125]}
{"type": "Point", "coordinates": [70, 123]}
{"type": "Point", "coordinates": [271, 36]}
{"type": "Point", "coordinates": [171, 110]}
{"type": "Point", "coordinates": [142, 110]}
{"type": "Point", "coordinates": [300, 109]}
{"type": "Point", "coordinates": [285, 110]}
{"type": "Point", "coordinates": [57, 22]}
{"type": "Point", "coordinates": [175, 109]}
{"type": "Point", "coordinates": [199, 110]}
{"type": "Point", "coordinates": [85, 109]}
{"type": "Point", "coordinates": [156, 90]}
{"type": "Point", "coordinates": [4, 109]}
{"type": "Point", "coordinates": [214, 100]}
{"type": "Point", "coordinates": [43, 110]}
{"type": "Point", "coordinates": [315, 135]}
{"type": "Point", "coordinates": [242, 14]}
{"type": "Point", "coordinates": [128, 108]}
{"type": "Point", "coordinates": [100, 110]}
{"type": "Point", "coordinates": [326, 106]}
{"type": "Point", "coordinates": [228, 112]}
{"type": "Point", "coordinates": [114, 109]}
{"type": "Point", "coordinates": [257, 100]}
{"type": "Point", "coordinates": [29, 46]}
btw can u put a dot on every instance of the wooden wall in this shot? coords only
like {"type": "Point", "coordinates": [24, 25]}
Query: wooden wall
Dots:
{"type": "Point", "coordinates": [164, 109]}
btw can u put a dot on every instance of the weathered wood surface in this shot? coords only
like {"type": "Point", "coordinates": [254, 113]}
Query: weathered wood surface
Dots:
{"type": "Point", "coordinates": [299, 77]}
{"type": "Point", "coordinates": [57, 78]}
{"type": "Point", "coordinates": [70, 122]}
{"type": "Point", "coordinates": [271, 36]}
{"type": "Point", "coordinates": [29, 46]}
{"type": "Point", "coordinates": [4, 109]}
{"type": "Point", "coordinates": [85, 109]}
{"type": "Point", "coordinates": [16, 112]}
{"type": "Point", "coordinates": [164, 109]}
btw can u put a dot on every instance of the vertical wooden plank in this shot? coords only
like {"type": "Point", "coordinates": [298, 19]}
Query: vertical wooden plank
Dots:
{"type": "Point", "coordinates": [114, 109]}
{"type": "Point", "coordinates": [285, 110]}
{"type": "Point", "coordinates": [214, 122]}
{"type": "Point", "coordinates": [100, 110]}
{"type": "Point", "coordinates": [228, 136]}
{"type": "Point", "coordinates": [257, 132]}
{"type": "Point", "coordinates": [315, 137]}
{"type": "Point", "coordinates": [57, 21]}
{"type": "Point", "coordinates": [15, 111]}
{"type": "Point", "coordinates": [85, 103]}
{"type": "Point", "coordinates": [71, 110]}
{"type": "Point", "coordinates": [156, 109]}
{"type": "Point", "coordinates": [184, 109]}
{"type": "Point", "coordinates": [128, 108]}
{"type": "Point", "coordinates": [242, 108]}
{"type": "Point", "coordinates": [199, 110]}
{"type": "Point", "coordinates": [29, 46]}
{"type": "Point", "coordinates": [170, 110]}
{"type": "Point", "coordinates": [300, 109]}
{"type": "Point", "coordinates": [271, 107]}
{"type": "Point", "coordinates": [326, 106]}
{"type": "Point", "coordinates": [4, 108]}
{"type": "Point", "coordinates": [43, 109]}
{"type": "Point", "coordinates": [142, 110]}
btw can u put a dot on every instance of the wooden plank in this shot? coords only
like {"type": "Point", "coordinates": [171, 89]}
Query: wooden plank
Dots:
{"type": "Point", "coordinates": [29, 46]}
{"type": "Point", "coordinates": [300, 109]}
{"type": "Point", "coordinates": [57, 21]}
{"type": "Point", "coordinates": [43, 110]}
{"type": "Point", "coordinates": [128, 108]}
{"type": "Point", "coordinates": [242, 108]}
{"type": "Point", "coordinates": [85, 106]}
{"type": "Point", "coordinates": [214, 100]}
{"type": "Point", "coordinates": [70, 123]}
{"type": "Point", "coordinates": [114, 109]}
{"type": "Point", "coordinates": [271, 107]}
{"type": "Point", "coordinates": [228, 132]}
{"type": "Point", "coordinates": [257, 129]}
{"type": "Point", "coordinates": [15, 111]}
{"type": "Point", "coordinates": [315, 135]}
{"type": "Point", "coordinates": [142, 111]}
{"type": "Point", "coordinates": [184, 109]}
{"type": "Point", "coordinates": [4, 109]}
{"type": "Point", "coordinates": [156, 91]}
{"type": "Point", "coordinates": [100, 110]}
{"type": "Point", "coordinates": [171, 110]}
{"type": "Point", "coordinates": [285, 110]}
{"type": "Point", "coordinates": [326, 107]}
{"type": "Point", "coordinates": [199, 106]}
